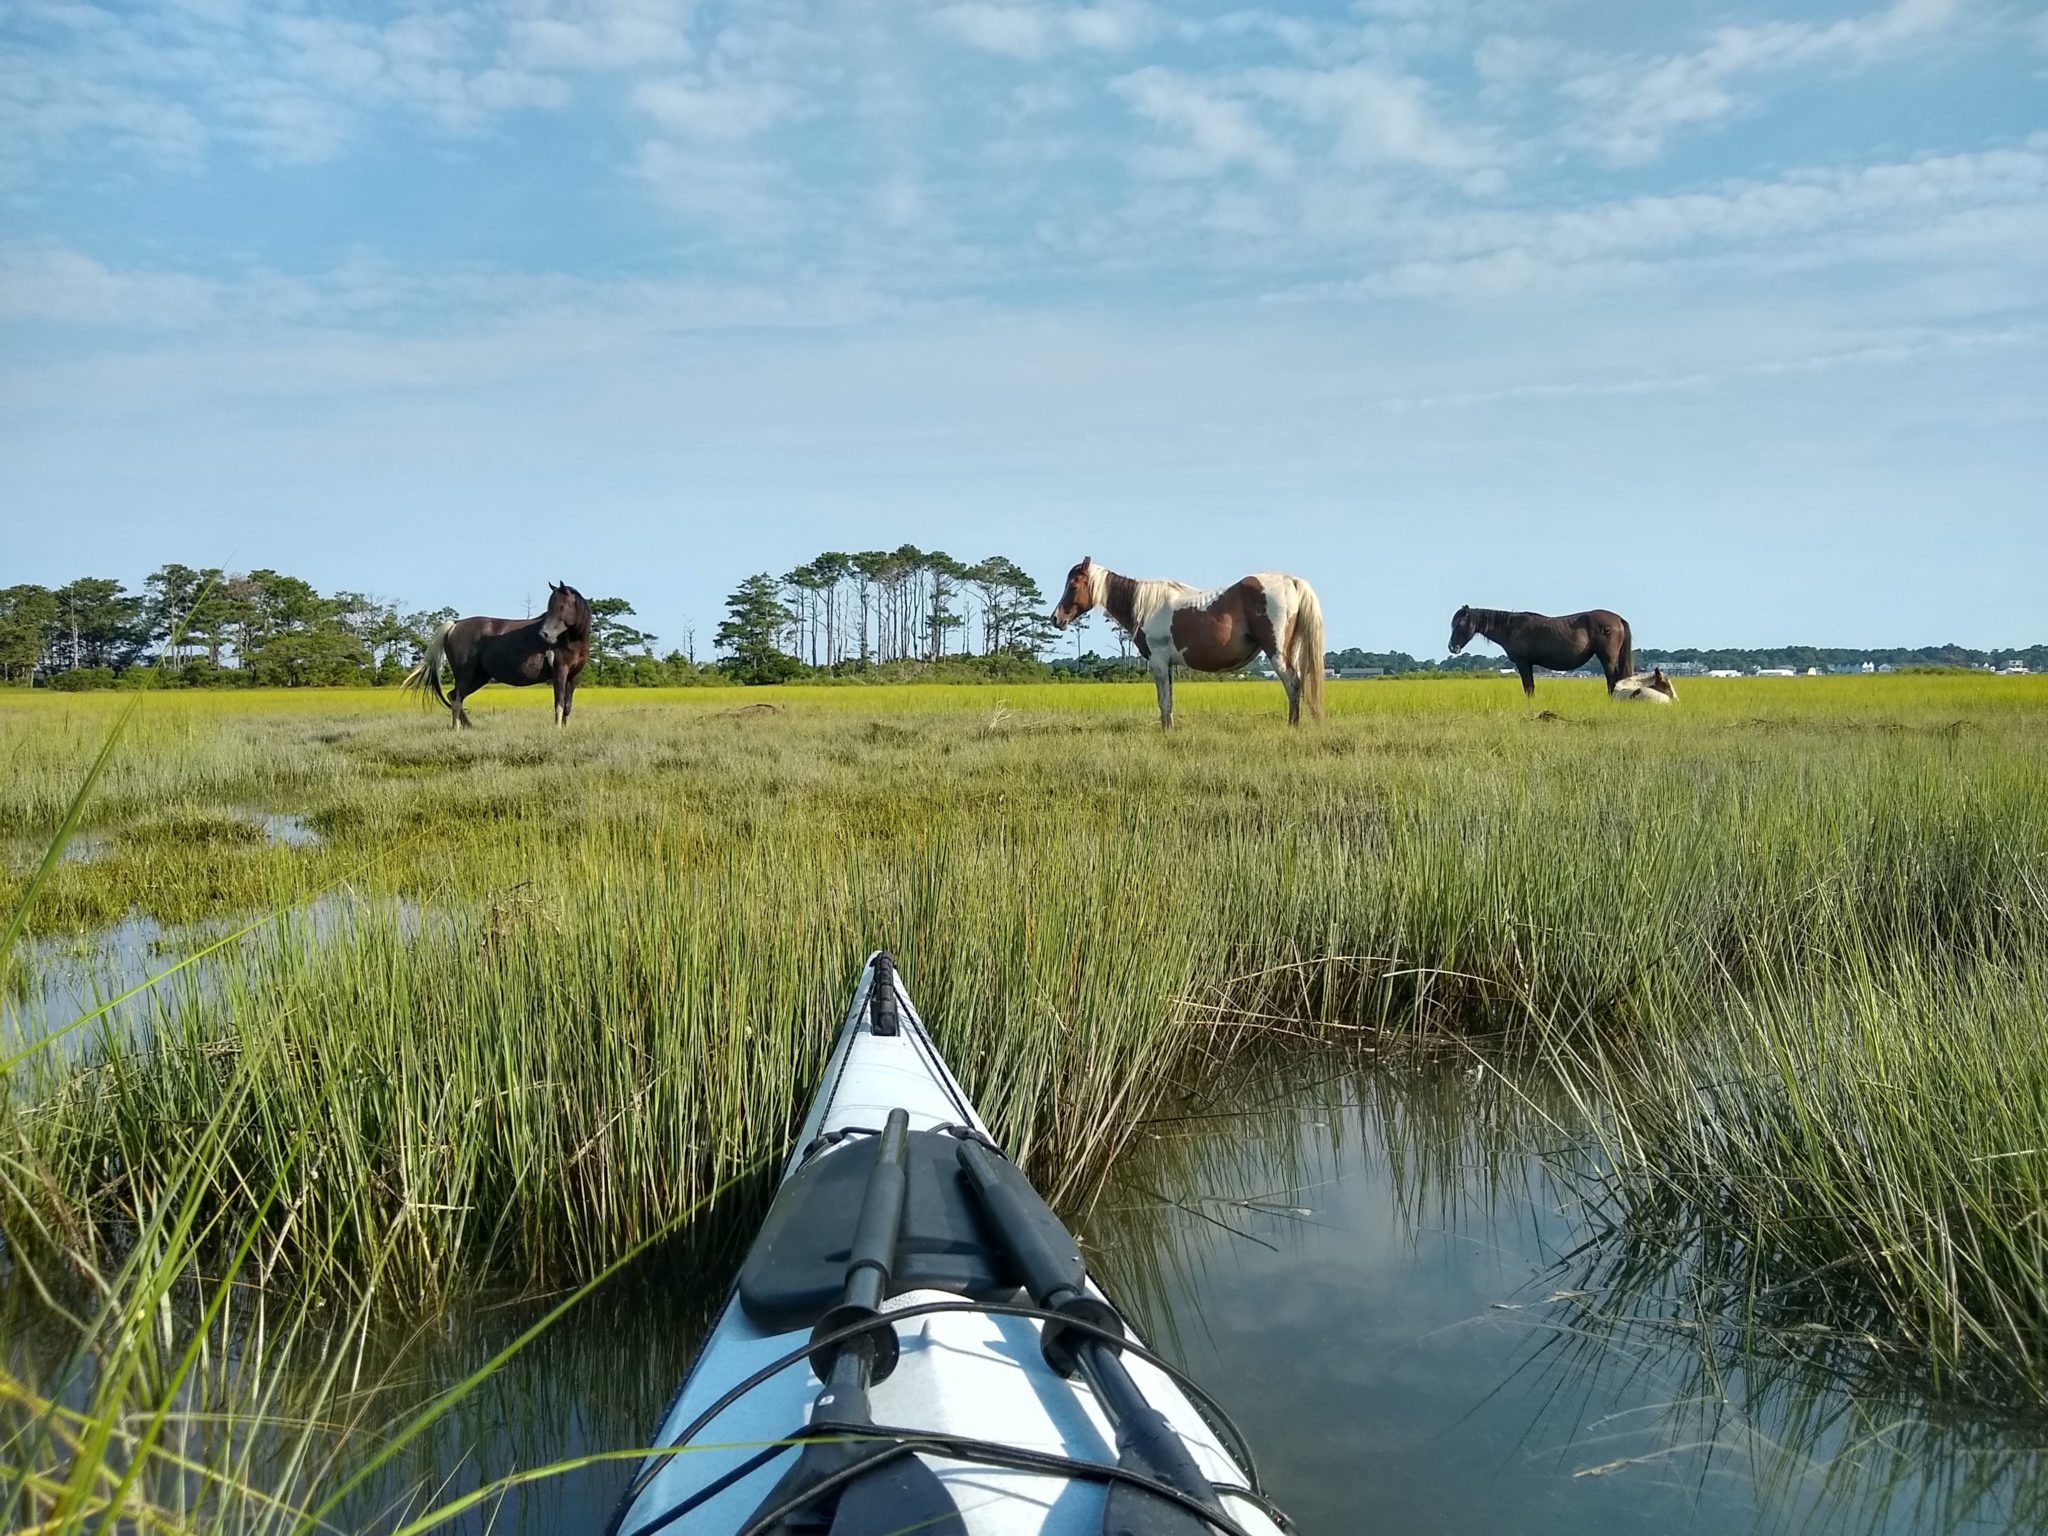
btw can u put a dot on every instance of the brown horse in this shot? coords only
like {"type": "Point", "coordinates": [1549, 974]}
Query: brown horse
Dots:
{"type": "Point", "coordinates": [520, 652]}
{"type": "Point", "coordinates": [1564, 644]}
{"type": "Point", "coordinates": [1271, 615]}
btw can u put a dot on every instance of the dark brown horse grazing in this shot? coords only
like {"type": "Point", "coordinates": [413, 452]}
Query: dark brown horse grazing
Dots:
{"type": "Point", "coordinates": [1564, 644]}
{"type": "Point", "coordinates": [553, 647]}
{"type": "Point", "coordinates": [1272, 615]}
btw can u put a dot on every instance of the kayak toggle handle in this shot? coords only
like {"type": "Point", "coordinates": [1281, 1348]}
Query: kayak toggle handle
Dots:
{"type": "Point", "coordinates": [1055, 1279]}
{"type": "Point", "coordinates": [882, 1016]}
{"type": "Point", "coordinates": [870, 1260]}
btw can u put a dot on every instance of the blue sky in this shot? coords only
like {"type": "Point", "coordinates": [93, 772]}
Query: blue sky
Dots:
{"type": "Point", "coordinates": [1733, 317]}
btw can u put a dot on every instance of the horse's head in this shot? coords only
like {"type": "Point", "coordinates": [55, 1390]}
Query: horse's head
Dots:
{"type": "Point", "coordinates": [566, 611]}
{"type": "Point", "coordinates": [1662, 684]}
{"type": "Point", "coordinates": [1078, 596]}
{"type": "Point", "coordinates": [1462, 629]}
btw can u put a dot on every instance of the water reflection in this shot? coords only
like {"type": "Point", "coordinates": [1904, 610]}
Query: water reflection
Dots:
{"type": "Point", "coordinates": [1385, 1272]}
{"type": "Point", "coordinates": [1390, 1278]}
{"type": "Point", "coordinates": [595, 1381]}
{"type": "Point", "coordinates": [53, 981]}
{"type": "Point", "coordinates": [310, 1402]}
{"type": "Point", "coordinates": [286, 829]}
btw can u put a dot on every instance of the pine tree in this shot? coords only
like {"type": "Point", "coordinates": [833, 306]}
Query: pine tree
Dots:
{"type": "Point", "coordinates": [755, 617]}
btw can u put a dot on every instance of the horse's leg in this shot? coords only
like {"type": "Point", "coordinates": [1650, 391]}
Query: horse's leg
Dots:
{"type": "Point", "coordinates": [569, 690]}
{"type": "Point", "coordinates": [1291, 681]}
{"type": "Point", "coordinates": [561, 707]}
{"type": "Point", "coordinates": [1528, 671]}
{"type": "Point", "coordinates": [1162, 681]}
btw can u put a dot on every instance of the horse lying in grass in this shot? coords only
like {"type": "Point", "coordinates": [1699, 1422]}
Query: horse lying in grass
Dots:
{"type": "Point", "coordinates": [1563, 644]}
{"type": "Point", "coordinates": [1647, 688]}
{"type": "Point", "coordinates": [519, 652]}
{"type": "Point", "coordinates": [1271, 614]}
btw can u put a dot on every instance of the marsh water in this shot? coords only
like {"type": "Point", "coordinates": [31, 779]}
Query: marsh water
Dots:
{"type": "Point", "coordinates": [1383, 1268]}
{"type": "Point", "coordinates": [1382, 1276]}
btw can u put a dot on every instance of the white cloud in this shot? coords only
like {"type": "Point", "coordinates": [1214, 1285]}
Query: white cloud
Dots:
{"type": "Point", "coordinates": [1983, 214]}
{"type": "Point", "coordinates": [60, 286]}
{"type": "Point", "coordinates": [1685, 380]}
{"type": "Point", "coordinates": [900, 201]}
{"type": "Point", "coordinates": [165, 85]}
{"type": "Point", "coordinates": [1508, 64]}
{"type": "Point", "coordinates": [1109, 28]}
{"type": "Point", "coordinates": [1291, 32]}
{"type": "Point", "coordinates": [600, 35]}
{"type": "Point", "coordinates": [285, 124]}
{"type": "Point", "coordinates": [56, 286]}
{"type": "Point", "coordinates": [720, 111]}
{"type": "Point", "coordinates": [1634, 105]}
{"type": "Point", "coordinates": [1378, 117]}
{"type": "Point", "coordinates": [743, 198]}
{"type": "Point", "coordinates": [1215, 133]}
{"type": "Point", "coordinates": [1030, 30]}
{"type": "Point", "coordinates": [42, 109]}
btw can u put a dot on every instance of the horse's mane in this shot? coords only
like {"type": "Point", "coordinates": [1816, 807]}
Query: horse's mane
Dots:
{"type": "Point", "coordinates": [1128, 600]}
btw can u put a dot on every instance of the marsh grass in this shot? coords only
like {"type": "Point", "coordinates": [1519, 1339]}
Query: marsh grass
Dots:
{"type": "Point", "coordinates": [1625, 1353]}
{"type": "Point", "coordinates": [1787, 942]}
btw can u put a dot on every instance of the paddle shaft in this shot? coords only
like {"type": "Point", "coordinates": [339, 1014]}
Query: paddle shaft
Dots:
{"type": "Point", "coordinates": [870, 1260]}
{"type": "Point", "coordinates": [828, 1489]}
{"type": "Point", "coordinates": [1055, 1282]}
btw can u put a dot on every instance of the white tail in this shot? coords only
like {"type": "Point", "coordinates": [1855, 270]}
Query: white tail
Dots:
{"type": "Point", "coordinates": [1305, 646]}
{"type": "Point", "coordinates": [428, 673]}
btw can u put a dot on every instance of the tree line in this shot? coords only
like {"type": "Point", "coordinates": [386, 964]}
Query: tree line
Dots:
{"type": "Point", "coordinates": [872, 614]}
{"type": "Point", "coordinates": [846, 614]}
{"type": "Point", "coordinates": [1829, 658]}
{"type": "Point", "coordinates": [1834, 657]}
{"type": "Point", "coordinates": [200, 626]}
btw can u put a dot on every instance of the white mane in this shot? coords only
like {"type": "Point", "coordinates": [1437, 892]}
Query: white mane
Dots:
{"type": "Point", "coordinates": [1147, 596]}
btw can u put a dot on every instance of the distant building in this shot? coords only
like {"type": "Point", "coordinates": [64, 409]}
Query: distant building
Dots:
{"type": "Point", "coordinates": [1724, 672]}
{"type": "Point", "coordinates": [1775, 672]}
{"type": "Point", "coordinates": [2014, 669]}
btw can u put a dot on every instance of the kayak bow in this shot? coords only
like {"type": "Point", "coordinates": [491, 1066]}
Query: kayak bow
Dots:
{"type": "Point", "coordinates": [914, 1344]}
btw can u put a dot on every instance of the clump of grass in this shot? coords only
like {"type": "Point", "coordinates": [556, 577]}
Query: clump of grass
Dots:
{"type": "Point", "coordinates": [1860, 1155]}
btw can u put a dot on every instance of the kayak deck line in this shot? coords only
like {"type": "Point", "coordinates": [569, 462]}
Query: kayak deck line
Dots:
{"type": "Point", "coordinates": [966, 1375]}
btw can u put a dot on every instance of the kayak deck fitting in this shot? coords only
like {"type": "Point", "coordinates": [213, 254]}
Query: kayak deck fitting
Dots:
{"type": "Point", "coordinates": [914, 1345]}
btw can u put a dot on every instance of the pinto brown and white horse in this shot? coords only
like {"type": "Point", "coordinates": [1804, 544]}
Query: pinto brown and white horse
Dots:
{"type": "Point", "coordinates": [479, 650]}
{"type": "Point", "coordinates": [1271, 614]}
{"type": "Point", "coordinates": [1647, 688]}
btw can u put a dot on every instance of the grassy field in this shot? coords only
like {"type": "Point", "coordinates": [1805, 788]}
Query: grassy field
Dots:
{"type": "Point", "coordinates": [542, 994]}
